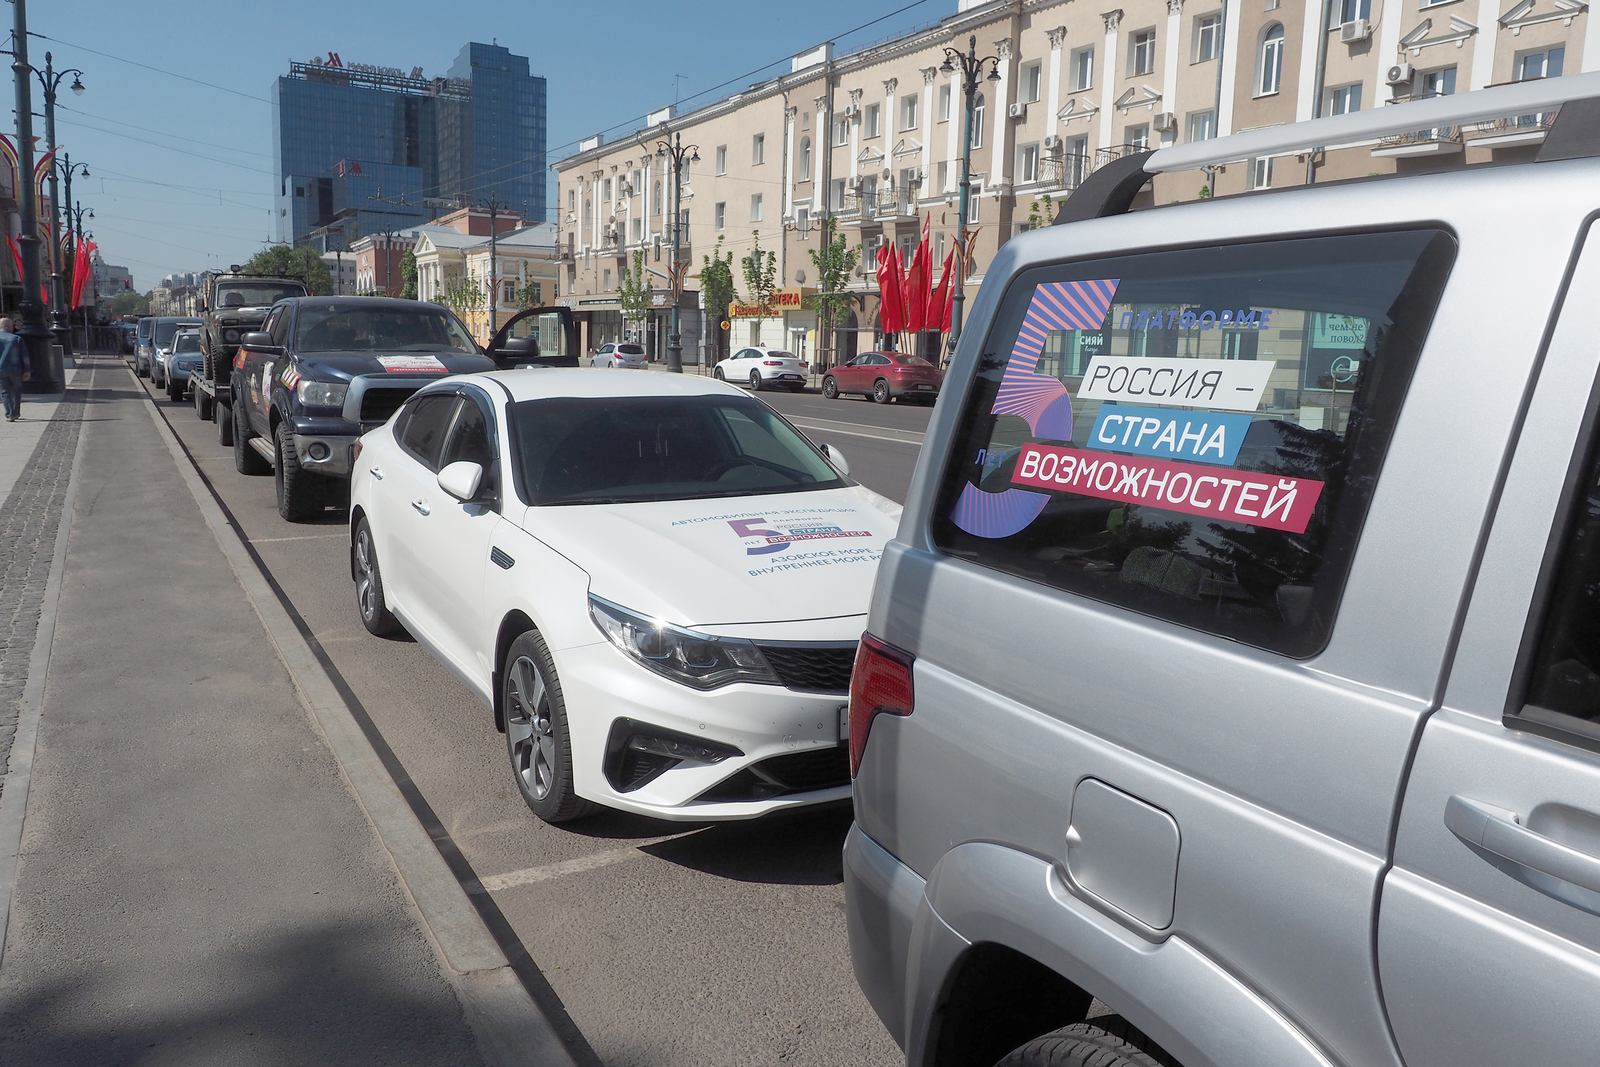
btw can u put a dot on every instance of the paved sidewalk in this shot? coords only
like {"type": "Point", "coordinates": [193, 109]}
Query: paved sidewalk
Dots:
{"type": "Point", "coordinates": [196, 883]}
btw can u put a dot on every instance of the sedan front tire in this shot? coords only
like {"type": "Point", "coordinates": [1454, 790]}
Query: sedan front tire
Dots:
{"type": "Point", "coordinates": [537, 738]}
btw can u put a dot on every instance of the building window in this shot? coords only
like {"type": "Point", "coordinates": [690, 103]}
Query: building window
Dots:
{"type": "Point", "coordinates": [977, 120]}
{"type": "Point", "coordinates": [1545, 63]}
{"type": "Point", "coordinates": [938, 247]}
{"type": "Point", "coordinates": [536, 293]}
{"type": "Point", "coordinates": [722, 159]}
{"type": "Point", "coordinates": [719, 215]}
{"type": "Point", "coordinates": [975, 202]}
{"type": "Point", "coordinates": [636, 230]}
{"type": "Point", "coordinates": [758, 149]}
{"type": "Point", "coordinates": [1207, 36]}
{"type": "Point", "coordinates": [1202, 125]}
{"type": "Point", "coordinates": [944, 102]}
{"type": "Point", "coordinates": [873, 123]}
{"type": "Point", "coordinates": [841, 131]}
{"type": "Point", "coordinates": [1269, 69]}
{"type": "Point", "coordinates": [605, 191]}
{"type": "Point", "coordinates": [1028, 163]}
{"type": "Point", "coordinates": [605, 278]}
{"type": "Point", "coordinates": [836, 195]}
{"type": "Point", "coordinates": [572, 200]}
{"type": "Point", "coordinates": [1077, 162]}
{"type": "Point", "coordinates": [1138, 136]}
{"type": "Point", "coordinates": [1345, 99]}
{"type": "Point", "coordinates": [1261, 172]}
{"type": "Point", "coordinates": [1082, 69]}
{"type": "Point", "coordinates": [508, 293]}
{"type": "Point", "coordinates": [1351, 10]}
{"type": "Point", "coordinates": [941, 175]}
{"type": "Point", "coordinates": [1141, 53]}
{"type": "Point", "coordinates": [908, 111]}
{"type": "Point", "coordinates": [1441, 82]}
{"type": "Point", "coordinates": [802, 219]}
{"type": "Point", "coordinates": [805, 159]}
{"type": "Point", "coordinates": [1028, 90]}
{"type": "Point", "coordinates": [755, 207]}
{"type": "Point", "coordinates": [655, 196]}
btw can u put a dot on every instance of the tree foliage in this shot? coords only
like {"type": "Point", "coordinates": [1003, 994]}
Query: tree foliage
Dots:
{"type": "Point", "coordinates": [760, 270]}
{"type": "Point", "coordinates": [463, 294]}
{"type": "Point", "coordinates": [129, 303]}
{"type": "Point", "coordinates": [634, 290]}
{"type": "Point", "coordinates": [1040, 215]}
{"type": "Point", "coordinates": [408, 275]}
{"type": "Point", "coordinates": [285, 261]}
{"type": "Point", "coordinates": [716, 280]}
{"type": "Point", "coordinates": [835, 261]}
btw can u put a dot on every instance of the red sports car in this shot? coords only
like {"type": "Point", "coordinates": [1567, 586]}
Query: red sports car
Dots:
{"type": "Point", "coordinates": [884, 376]}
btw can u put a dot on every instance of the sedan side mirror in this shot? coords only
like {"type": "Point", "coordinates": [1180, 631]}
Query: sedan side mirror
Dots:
{"type": "Point", "coordinates": [461, 480]}
{"type": "Point", "coordinates": [836, 457]}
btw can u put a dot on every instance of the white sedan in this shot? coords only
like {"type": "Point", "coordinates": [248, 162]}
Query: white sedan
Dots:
{"type": "Point", "coordinates": [763, 368]}
{"type": "Point", "coordinates": [658, 590]}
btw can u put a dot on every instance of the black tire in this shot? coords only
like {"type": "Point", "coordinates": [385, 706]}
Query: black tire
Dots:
{"type": "Point", "coordinates": [246, 460]}
{"type": "Point", "coordinates": [371, 604]}
{"type": "Point", "coordinates": [204, 409]}
{"type": "Point", "coordinates": [174, 391]}
{"type": "Point", "coordinates": [143, 370]}
{"type": "Point", "coordinates": [830, 388]}
{"type": "Point", "coordinates": [755, 381]}
{"type": "Point", "coordinates": [717, 374]}
{"type": "Point", "coordinates": [300, 493]}
{"type": "Point", "coordinates": [537, 741]}
{"type": "Point", "coordinates": [224, 417]}
{"type": "Point", "coordinates": [880, 392]}
{"type": "Point", "coordinates": [1102, 1043]}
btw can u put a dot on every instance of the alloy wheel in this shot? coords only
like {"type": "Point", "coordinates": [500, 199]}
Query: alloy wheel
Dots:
{"type": "Point", "coordinates": [528, 726]}
{"type": "Point", "coordinates": [365, 597]}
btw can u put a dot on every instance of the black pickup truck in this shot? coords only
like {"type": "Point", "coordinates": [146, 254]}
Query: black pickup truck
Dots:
{"type": "Point", "coordinates": [323, 370]}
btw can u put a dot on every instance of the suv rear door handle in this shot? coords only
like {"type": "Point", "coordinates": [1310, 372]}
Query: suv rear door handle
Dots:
{"type": "Point", "coordinates": [1498, 832]}
{"type": "Point", "coordinates": [421, 505]}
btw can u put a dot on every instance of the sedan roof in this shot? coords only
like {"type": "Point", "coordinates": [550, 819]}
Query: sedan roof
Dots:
{"type": "Point", "coordinates": [544, 383]}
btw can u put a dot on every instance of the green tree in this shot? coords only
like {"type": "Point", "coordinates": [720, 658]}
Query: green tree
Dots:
{"type": "Point", "coordinates": [284, 261]}
{"type": "Point", "coordinates": [463, 294]}
{"type": "Point", "coordinates": [634, 291]}
{"type": "Point", "coordinates": [760, 271]}
{"type": "Point", "coordinates": [1040, 214]}
{"type": "Point", "coordinates": [716, 286]}
{"type": "Point", "coordinates": [129, 303]}
{"type": "Point", "coordinates": [408, 275]}
{"type": "Point", "coordinates": [835, 262]}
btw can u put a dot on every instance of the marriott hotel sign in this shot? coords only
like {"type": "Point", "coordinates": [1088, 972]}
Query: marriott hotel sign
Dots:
{"type": "Point", "coordinates": [333, 62]}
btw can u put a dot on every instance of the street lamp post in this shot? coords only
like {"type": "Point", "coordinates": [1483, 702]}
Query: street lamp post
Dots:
{"type": "Point", "coordinates": [677, 151]}
{"type": "Point", "coordinates": [51, 80]}
{"type": "Point", "coordinates": [971, 65]}
{"type": "Point", "coordinates": [33, 330]}
{"type": "Point", "coordinates": [75, 214]}
{"type": "Point", "coordinates": [68, 169]}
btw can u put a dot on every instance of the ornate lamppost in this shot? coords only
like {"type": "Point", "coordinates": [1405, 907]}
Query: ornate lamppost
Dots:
{"type": "Point", "coordinates": [678, 152]}
{"type": "Point", "coordinates": [972, 66]}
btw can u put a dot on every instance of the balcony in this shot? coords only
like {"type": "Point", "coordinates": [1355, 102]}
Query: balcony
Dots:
{"type": "Point", "coordinates": [1435, 141]}
{"type": "Point", "coordinates": [1512, 132]}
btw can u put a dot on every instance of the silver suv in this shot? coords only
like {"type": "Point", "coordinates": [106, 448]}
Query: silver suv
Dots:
{"type": "Point", "coordinates": [1232, 690]}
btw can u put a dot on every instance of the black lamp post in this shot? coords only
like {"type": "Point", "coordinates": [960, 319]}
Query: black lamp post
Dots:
{"type": "Point", "coordinates": [676, 151]}
{"type": "Point", "coordinates": [32, 327]}
{"type": "Point", "coordinates": [63, 259]}
{"type": "Point", "coordinates": [75, 216]}
{"type": "Point", "coordinates": [971, 65]}
{"type": "Point", "coordinates": [51, 80]}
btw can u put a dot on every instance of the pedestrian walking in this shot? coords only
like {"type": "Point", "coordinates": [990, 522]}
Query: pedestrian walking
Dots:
{"type": "Point", "coordinates": [14, 369]}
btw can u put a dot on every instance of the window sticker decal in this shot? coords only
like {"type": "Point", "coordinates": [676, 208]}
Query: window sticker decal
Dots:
{"type": "Point", "coordinates": [1250, 497]}
{"type": "Point", "coordinates": [1203, 436]}
{"type": "Point", "coordinates": [1229, 384]}
{"type": "Point", "coordinates": [1039, 400]}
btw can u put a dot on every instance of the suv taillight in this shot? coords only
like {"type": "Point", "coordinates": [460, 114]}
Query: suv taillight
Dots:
{"type": "Point", "coordinates": [880, 684]}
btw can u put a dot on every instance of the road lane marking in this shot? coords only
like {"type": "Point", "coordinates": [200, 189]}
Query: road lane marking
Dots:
{"type": "Point", "coordinates": [494, 883]}
{"type": "Point", "coordinates": [299, 537]}
{"type": "Point", "coordinates": [863, 425]}
{"type": "Point", "coordinates": [856, 433]}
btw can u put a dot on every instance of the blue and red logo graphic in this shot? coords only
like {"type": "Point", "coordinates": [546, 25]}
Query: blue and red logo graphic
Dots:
{"type": "Point", "coordinates": [773, 540]}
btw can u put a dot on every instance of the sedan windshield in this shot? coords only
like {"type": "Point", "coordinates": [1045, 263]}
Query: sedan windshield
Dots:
{"type": "Point", "coordinates": [611, 450]}
{"type": "Point", "coordinates": [353, 328]}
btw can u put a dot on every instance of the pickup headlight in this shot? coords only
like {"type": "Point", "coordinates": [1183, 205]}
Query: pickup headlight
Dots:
{"type": "Point", "coordinates": [693, 659]}
{"type": "Point", "coordinates": [322, 394]}
{"type": "Point", "coordinates": [230, 336]}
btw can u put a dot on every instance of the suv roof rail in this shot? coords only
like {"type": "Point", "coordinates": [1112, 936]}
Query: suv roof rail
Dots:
{"type": "Point", "coordinates": [1576, 134]}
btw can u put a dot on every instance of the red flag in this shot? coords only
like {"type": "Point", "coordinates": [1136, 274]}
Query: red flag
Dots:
{"type": "Point", "coordinates": [80, 273]}
{"type": "Point", "coordinates": [939, 302]}
{"type": "Point", "coordinates": [890, 313]}
{"type": "Point", "coordinates": [918, 280]}
{"type": "Point", "coordinates": [16, 255]}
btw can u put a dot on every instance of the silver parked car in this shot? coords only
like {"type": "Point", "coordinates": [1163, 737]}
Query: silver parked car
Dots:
{"type": "Point", "coordinates": [148, 359]}
{"type": "Point", "coordinates": [1231, 696]}
{"type": "Point", "coordinates": [180, 362]}
{"type": "Point", "coordinates": [623, 354]}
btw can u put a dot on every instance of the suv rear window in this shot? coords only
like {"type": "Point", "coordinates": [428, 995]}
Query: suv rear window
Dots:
{"type": "Point", "coordinates": [1194, 434]}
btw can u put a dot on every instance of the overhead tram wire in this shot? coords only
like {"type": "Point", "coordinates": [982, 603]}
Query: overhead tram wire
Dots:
{"type": "Point", "coordinates": [163, 133]}
{"type": "Point", "coordinates": [156, 70]}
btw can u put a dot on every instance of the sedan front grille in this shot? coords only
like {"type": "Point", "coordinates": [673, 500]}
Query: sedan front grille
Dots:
{"type": "Point", "coordinates": [812, 668]}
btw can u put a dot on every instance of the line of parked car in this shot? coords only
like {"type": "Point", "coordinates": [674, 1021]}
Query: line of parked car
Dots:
{"type": "Point", "coordinates": [1228, 694]}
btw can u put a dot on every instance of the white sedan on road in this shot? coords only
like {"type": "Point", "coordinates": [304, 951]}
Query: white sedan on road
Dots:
{"type": "Point", "coordinates": [658, 587]}
{"type": "Point", "coordinates": [763, 368]}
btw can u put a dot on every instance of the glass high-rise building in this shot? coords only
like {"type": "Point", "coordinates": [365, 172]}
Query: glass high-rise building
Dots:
{"type": "Point", "coordinates": [362, 149]}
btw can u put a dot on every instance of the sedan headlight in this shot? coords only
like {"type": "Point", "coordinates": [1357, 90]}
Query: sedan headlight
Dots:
{"type": "Point", "coordinates": [694, 659]}
{"type": "Point", "coordinates": [322, 394]}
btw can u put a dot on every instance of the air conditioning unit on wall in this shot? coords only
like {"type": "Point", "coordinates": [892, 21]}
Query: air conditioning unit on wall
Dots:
{"type": "Point", "coordinates": [1355, 30]}
{"type": "Point", "coordinates": [1052, 143]}
{"type": "Point", "coordinates": [1165, 120]}
{"type": "Point", "coordinates": [1400, 75]}
{"type": "Point", "coordinates": [1017, 111]}
{"type": "Point", "coordinates": [852, 111]}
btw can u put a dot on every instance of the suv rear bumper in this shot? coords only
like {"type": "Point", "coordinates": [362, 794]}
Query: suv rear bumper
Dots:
{"type": "Point", "coordinates": [881, 897]}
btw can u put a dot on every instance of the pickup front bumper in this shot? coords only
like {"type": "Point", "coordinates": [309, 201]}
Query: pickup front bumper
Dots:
{"type": "Point", "coordinates": [323, 445]}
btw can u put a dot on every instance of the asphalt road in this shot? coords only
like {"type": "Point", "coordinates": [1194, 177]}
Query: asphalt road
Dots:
{"type": "Point", "coordinates": [668, 945]}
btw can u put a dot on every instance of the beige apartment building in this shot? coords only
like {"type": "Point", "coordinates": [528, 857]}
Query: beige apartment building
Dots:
{"type": "Point", "coordinates": [872, 140]}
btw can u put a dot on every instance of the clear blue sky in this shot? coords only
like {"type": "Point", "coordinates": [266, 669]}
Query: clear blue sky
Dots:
{"type": "Point", "coordinates": [210, 149]}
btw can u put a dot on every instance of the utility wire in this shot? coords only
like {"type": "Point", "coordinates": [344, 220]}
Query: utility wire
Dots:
{"type": "Point", "coordinates": [164, 133]}
{"type": "Point", "coordinates": [157, 70]}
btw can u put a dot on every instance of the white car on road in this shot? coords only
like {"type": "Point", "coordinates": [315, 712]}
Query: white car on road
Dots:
{"type": "Point", "coordinates": [763, 368]}
{"type": "Point", "coordinates": [624, 354]}
{"type": "Point", "coordinates": [658, 590]}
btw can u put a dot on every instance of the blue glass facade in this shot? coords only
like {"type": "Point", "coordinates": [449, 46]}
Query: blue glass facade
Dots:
{"type": "Point", "coordinates": [367, 149]}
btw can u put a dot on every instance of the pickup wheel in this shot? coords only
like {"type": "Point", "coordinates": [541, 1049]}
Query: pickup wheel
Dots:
{"type": "Point", "coordinates": [246, 460]}
{"type": "Point", "coordinates": [224, 416]}
{"type": "Point", "coordinates": [370, 602]}
{"type": "Point", "coordinates": [203, 406]}
{"type": "Point", "coordinates": [301, 495]}
{"type": "Point", "coordinates": [537, 738]}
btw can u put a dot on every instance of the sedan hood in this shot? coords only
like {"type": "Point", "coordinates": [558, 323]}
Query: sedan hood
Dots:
{"type": "Point", "coordinates": [728, 561]}
{"type": "Point", "coordinates": [342, 366]}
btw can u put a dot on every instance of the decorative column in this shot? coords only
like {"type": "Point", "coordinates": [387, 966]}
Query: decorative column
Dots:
{"type": "Point", "coordinates": [1000, 124]}
{"type": "Point", "coordinates": [1230, 61]}
{"type": "Point", "coordinates": [1108, 77]}
{"type": "Point", "coordinates": [855, 133]}
{"type": "Point", "coordinates": [821, 141]}
{"type": "Point", "coordinates": [953, 146]}
{"type": "Point", "coordinates": [647, 176]}
{"type": "Point", "coordinates": [1052, 91]}
{"type": "Point", "coordinates": [789, 116]}
{"type": "Point", "coordinates": [929, 76]}
{"type": "Point", "coordinates": [1169, 66]}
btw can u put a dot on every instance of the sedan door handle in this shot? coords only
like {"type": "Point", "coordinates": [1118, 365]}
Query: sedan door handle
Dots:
{"type": "Point", "coordinates": [376, 472]}
{"type": "Point", "coordinates": [421, 506]}
{"type": "Point", "coordinates": [1500, 833]}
